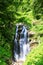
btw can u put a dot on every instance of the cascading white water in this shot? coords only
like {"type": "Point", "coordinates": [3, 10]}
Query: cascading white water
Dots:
{"type": "Point", "coordinates": [21, 45]}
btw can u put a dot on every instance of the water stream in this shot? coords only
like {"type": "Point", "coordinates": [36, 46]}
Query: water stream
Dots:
{"type": "Point", "coordinates": [21, 43]}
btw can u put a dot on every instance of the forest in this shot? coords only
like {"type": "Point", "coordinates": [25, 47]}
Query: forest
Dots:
{"type": "Point", "coordinates": [28, 12]}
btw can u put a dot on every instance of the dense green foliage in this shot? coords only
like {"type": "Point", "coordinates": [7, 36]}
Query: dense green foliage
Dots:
{"type": "Point", "coordinates": [38, 8]}
{"type": "Point", "coordinates": [15, 11]}
{"type": "Point", "coordinates": [6, 29]}
{"type": "Point", "coordinates": [36, 56]}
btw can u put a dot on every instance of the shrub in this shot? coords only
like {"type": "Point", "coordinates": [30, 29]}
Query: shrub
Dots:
{"type": "Point", "coordinates": [35, 57]}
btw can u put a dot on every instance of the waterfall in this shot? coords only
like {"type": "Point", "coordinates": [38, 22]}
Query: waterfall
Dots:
{"type": "Point", "coordinates": [21, 45]}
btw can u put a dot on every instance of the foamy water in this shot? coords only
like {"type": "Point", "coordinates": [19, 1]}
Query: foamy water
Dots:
{"type": "Point", "coordinates": [24, 48]}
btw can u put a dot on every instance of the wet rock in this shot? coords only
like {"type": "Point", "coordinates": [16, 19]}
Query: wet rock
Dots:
{"type": "Point", "coordinates": [31, 34]}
